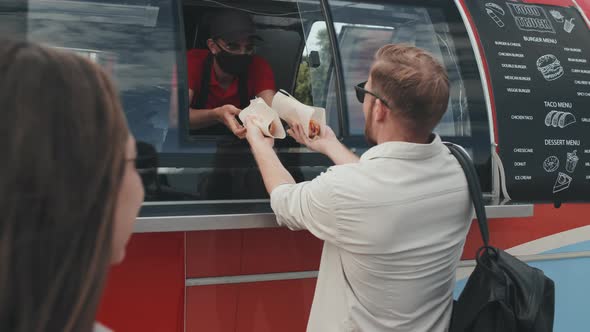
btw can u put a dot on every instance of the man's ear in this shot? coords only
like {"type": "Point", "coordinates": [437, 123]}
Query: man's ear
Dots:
{"type": "Point", "coordinates": [212, 46]}
{"type": "Point", "coordinates": [380, 111]}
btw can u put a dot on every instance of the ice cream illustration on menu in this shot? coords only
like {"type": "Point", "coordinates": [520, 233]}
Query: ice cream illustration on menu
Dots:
{"type": "Point", "coordinates": [571, 161]}
{"type": "Point", "coordinates": [563, 180]}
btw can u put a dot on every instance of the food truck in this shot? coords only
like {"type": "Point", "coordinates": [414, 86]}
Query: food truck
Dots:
{"type": "Point", "coordinates": [207, 253]}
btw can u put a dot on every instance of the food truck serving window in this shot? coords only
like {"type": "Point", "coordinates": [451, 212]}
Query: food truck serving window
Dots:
{"type": "Point", "coordinates": [315, 50]}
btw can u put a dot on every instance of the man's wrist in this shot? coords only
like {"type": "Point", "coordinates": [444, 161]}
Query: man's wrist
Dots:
{"type": "Point", "coordinates": [257, 145]}
{"type": "Point", "coordinates": [217, 114]}
{"type": "Point", "coordinates": [331, 147]}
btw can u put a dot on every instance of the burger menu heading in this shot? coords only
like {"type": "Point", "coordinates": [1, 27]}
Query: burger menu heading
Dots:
{"type": "Point", "coordinates": [539, 61]}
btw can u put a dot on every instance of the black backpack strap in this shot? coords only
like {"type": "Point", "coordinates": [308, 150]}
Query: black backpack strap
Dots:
{"type": "Point", "coordinates": [474, 189]}
{"type": "Point", "coordinates": [201, 99]}
{"type": "Point", "coordinates": [243, 90]}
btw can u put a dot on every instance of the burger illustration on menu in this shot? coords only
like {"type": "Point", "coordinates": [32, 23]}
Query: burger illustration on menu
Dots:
{"type": "Point", "coordinates": [550, 67]}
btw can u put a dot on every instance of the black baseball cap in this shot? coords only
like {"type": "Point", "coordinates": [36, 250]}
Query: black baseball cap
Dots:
{"type": "Point", "coordinates": [232, 25]}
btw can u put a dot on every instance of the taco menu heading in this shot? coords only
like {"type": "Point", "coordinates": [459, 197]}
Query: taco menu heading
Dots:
{"type": "Point", "coordinates": [539, 60]}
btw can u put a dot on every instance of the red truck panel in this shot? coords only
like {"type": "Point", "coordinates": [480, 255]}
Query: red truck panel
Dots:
{"type": "Point", "coordinates": [547, 220]}
{"type": "Point", "coordinates": [251, 251]}
{"type": "Point", "coordinates": [251, 307]}
{"type": "Point", "coordinates": [146, 292]}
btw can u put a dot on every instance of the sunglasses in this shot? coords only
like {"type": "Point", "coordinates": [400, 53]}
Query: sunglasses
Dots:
{"type": "Point", "coordinates": [361, 92]}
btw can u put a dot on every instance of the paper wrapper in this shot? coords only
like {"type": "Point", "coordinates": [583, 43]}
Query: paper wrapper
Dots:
{"type": "Point", "coordinates": [293, 111]}
{"type": "Point", "coordinates": [268, 120]}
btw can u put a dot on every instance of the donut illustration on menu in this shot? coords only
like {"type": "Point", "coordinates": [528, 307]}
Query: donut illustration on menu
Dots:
{"type": "Point", "coordinates": [550, 67]}
{"type": "Point", "coordinates": [551, 164]}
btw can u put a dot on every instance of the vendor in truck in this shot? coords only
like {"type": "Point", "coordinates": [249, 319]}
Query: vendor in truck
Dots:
{"type": "Point", "coordinates": [223, 79]}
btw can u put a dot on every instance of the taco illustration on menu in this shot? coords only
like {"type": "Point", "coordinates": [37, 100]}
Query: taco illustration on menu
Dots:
{"type": "Point", "coordinates": [559, 119]}
{"type": "Point", "coordinates": [571, 161]}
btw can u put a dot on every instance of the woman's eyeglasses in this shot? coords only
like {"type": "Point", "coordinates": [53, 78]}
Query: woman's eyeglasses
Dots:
{"type": "Point", "coordinates": [361, 91]}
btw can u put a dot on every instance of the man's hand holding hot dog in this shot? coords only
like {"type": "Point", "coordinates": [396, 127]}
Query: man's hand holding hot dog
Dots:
{"type": "Point", "coordinates": [325, 143]}
{"type": "Point", "coordinates": [273, 172]}
{"type": "Point", "coordinates": [254, 134]}
{"type": "Point", "coordinates": [320, 143]}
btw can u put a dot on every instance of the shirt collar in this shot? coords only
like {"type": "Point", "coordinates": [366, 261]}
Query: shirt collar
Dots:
{"type": "Point", "coordinates": [404, 150]}
{"type": "Point", "coordinates": [98, 327]}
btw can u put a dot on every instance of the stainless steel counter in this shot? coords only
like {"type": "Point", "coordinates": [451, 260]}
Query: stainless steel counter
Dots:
{"type": "Point", "coordinates": [185, 223]}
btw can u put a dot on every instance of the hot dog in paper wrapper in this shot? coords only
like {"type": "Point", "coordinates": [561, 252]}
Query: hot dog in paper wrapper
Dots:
{"type": "Point", "coordinates": [293, 111]}
{"type": "Point", "coordinates": [267, 119]}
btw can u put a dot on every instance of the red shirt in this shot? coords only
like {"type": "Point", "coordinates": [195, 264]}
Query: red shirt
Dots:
{"type": "Point", "coordinates": [260, 78]}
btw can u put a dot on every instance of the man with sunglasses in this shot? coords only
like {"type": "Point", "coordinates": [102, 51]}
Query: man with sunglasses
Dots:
{"type": "Point", "coordinates": [394, 221]}
{"type": "Point", "coordinates": [223, 79]}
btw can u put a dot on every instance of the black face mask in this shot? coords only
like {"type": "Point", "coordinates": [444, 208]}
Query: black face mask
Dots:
{"type": "Point", "coordinates": [233, 64]}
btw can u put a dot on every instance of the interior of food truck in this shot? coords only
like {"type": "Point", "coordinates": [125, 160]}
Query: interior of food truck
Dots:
{"type": "Point", "coordinates": [278, 23]}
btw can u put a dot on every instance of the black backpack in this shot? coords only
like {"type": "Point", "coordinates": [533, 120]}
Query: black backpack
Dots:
{"type": "Point", "coordinates": [503, 294]}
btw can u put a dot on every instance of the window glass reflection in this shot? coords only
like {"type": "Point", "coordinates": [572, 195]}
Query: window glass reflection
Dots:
{"type": "Point", "coordinates": [363, 28]}
{"type": "Point", "coordinates": [134, 41]}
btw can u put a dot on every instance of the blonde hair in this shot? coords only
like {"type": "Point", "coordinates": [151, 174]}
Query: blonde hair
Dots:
{"type": "Point", "coordinates": [412, 82]}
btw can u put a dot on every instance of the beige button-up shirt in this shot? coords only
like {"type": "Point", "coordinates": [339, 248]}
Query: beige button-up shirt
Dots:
{"type": "Point", "coordinates": [394, 226]}
{"type": "Point", "coordinates": [98, 327]}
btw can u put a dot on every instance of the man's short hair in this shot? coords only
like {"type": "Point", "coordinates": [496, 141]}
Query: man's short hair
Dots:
{"type": "Point", "coordinates": [412, 82]}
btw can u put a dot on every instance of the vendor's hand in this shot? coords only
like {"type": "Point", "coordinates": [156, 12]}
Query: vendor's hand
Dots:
{"type": "Point", "coordinates": [254, 135]}
{"type": "Point", "coordinates": [226, 114]}
{"type": "Point", "coordinates": [320, 143]}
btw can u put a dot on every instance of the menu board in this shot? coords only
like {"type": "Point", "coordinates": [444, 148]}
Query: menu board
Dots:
{"type": "Point", "coordinates": [539, 61]}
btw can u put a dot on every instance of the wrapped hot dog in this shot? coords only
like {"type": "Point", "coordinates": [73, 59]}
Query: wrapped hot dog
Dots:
{"type": "Point", "coordinates": [293, 111]}
{"type": "Point", "coordinates": [267, 119]}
